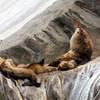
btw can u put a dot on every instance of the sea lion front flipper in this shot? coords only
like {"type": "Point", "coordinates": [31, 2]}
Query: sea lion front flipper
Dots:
{"type": "Point", "coordinates": [66, 65]}
{"type": "Point", "coordinates": [50, 68]}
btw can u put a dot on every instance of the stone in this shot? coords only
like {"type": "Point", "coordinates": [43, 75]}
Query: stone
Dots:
{"type": "Point", "coordinates": [47, 36]}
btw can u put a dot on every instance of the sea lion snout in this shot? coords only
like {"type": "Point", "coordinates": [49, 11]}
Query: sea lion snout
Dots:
{"type": "Point", "coordinates": [81, 30]}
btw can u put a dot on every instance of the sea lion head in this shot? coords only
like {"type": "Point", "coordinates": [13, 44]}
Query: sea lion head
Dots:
{"type": "Point", "coordinates": [80, 31]}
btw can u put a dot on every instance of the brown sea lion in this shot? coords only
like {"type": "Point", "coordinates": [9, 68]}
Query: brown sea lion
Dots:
{"type": "Point", "coordinates": [81, 48]}
{"type": "Point", "coordinates": [81, 44]}
{"type": "Point", "coordinates": [38, 67]}
{"type": "Point", "coordinates": [66, 65]}
{"type": "Point", "coordinates": [12, 72]}
{"type": "Point", "coordinates": [23, 72]}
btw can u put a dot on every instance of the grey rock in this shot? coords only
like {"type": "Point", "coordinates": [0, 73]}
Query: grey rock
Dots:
{"type": "Point", "coordinates": [47, 36]}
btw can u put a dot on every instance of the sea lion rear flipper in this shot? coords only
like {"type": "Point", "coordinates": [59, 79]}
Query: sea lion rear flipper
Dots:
{"type": "Point", "coordinates": [54, 63]}
{"type": "Point", "coordinates": [31, 84]}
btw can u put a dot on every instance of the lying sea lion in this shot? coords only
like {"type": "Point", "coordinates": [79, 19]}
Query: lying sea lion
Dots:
{"type": "Point", "coordinates": [24, 72]}
{"type": "Point", "coordinates": [38, 67]}
{"type": "Point", "coordinates": [12, 72]}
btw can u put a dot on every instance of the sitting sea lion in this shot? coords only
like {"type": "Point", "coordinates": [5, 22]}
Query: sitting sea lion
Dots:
{"type": "Point", "coordinates": [81, 48]}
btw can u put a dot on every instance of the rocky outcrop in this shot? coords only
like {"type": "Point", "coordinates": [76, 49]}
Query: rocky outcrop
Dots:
{"type": "Point", "coordinates": [81, 83]}
{"type": "Point", "coordinates": [47, 36]}
{"type": "Point", "coordinates": [50, 37]}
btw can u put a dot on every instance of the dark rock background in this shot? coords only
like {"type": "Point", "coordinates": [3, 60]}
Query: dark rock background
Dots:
{"type": "Point", "coordinates": [47, 36]}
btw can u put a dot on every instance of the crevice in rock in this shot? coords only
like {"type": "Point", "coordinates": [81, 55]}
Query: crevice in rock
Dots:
{"type": "Point", "coordinates": [50, 36]}
{"type": "Point", "coordinates": [21, 97]}
{"type": "Point", "coordinates": [62, 88]}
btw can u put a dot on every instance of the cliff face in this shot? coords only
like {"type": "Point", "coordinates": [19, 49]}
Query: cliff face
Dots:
{"type": "Point", "coordinates": [47, 36]}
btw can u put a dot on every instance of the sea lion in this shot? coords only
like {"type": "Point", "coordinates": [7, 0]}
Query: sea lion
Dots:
{"type": "Point", "coordinates": [8, 68]}
{"type": "Point", "coordinates": [81, 48]}
{"type": "Point", "coordinates": [12, 72]}
{"type": "Point", "coordinates": [38, 67]}
{"type": "Point", "coordinates": [66, 65]}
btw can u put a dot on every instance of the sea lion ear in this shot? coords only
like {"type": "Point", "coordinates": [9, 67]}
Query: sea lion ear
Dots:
{"type": "Point", "coordinates": [42, 62]}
